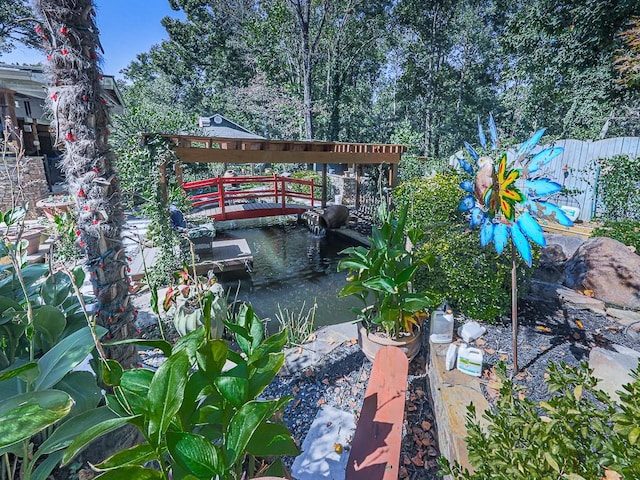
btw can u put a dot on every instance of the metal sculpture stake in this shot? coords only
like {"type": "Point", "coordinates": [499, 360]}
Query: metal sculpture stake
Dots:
{"type": "Point", "coordinates": [505, 200]}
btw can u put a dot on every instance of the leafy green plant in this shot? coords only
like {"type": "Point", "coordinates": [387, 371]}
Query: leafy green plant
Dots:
{"type": "Point", "coordinates": [578, 433]}
{"type": "Point", "coordinates": [472, 279]}
{"type": "Point", "coordinates": [203, 422]}
{"type": "Point", "coordinates": [617, 186]}
{"type": "Point", "coordinates": [309, 175]}
{"type": "Point", "coordinates": [625, 231]}
{"type": "Point", "coordinates": [197, 300]}
{"type": "Point", "coordinates": [381, 276]}
{"type": "Point", "coordinates": [64, 228]}
{"type": "Point", "coordinates": [298, 324]}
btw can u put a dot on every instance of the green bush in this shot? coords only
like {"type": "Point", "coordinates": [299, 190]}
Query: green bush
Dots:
{"type": "Point", "coordinates": [578, 433]}
{"type": "Point", "coordinates": [618, 185]}
{"type": "Point", "coordinates": [309, 175]}
{"type": "Point", "coordinates": [625, 231]}
{"type": "Point", "coordinates": [474, 280]}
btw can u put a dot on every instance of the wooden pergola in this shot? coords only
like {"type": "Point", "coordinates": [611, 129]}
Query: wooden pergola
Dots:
{"type": "Point", "coordinates": [196, 149]}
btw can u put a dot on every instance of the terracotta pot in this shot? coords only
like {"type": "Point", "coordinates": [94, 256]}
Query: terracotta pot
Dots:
{"type": "Point", "coordinates": [371, 342]}
{"type": "Point", "coordinates": [32, 237]}
{"type": "Point", "coordinates": [50, 209]}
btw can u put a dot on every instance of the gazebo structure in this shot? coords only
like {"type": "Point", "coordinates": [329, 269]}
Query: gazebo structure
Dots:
{"type": "Point", "coordinates": [197, 149]}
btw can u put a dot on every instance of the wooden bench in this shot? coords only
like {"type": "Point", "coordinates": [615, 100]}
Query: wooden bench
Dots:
{"type": "Point", "coordinates": [375, 449]}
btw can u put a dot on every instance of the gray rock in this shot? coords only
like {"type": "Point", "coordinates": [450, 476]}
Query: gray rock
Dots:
{"type": "Point", "coordinates": [609, 269]}
{"type": "Point", "coordinates": [554, 291]}
{"type": "Point", "coordinates": [568, 243]}
{"type": "Point", "coordinates": [612, 367]}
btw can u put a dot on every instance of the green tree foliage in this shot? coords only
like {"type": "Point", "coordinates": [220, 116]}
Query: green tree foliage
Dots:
{"type": "Point", "coordinates": [16, 25]}
{"type": "Point", "coordinates": [560, 72]}
{"type": "Point", "coordinates": [628, 62]}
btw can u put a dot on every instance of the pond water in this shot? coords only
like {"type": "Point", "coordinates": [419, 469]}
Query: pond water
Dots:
{"type": "Point", "coordinates": [293, 269]}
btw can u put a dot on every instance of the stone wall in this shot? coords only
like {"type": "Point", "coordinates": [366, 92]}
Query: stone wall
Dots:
{"type": "Point", "coordinates": [24, 181]}
{"type": "Point", "coordinates": [345, 186]}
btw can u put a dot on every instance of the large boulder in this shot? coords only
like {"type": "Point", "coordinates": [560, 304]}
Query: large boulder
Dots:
{"type": "Point", "coordinates": [609, 269]}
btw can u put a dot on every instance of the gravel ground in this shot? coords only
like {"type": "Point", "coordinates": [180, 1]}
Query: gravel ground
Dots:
{"type": "Point", "coordinates": [549, 333]}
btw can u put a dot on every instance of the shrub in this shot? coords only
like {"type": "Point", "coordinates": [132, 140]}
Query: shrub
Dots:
{"type": "Point", "coordinates": [309, 175]}
{"type": "Point", "coordinates": [579, 433]}
{"type": "Point", "coordinates": [474, 280]}
{"type": "Point", "coordinates": [625, 231]}
{"type": "Point", "coordinates": [618, 185]}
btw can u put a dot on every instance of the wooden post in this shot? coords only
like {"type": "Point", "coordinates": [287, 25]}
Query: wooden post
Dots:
{"type": "Point", "coordinates": [312, 187]}
{"type": "Point", "coordinates": [514, 308]}
{"type": "Point", "coordinates": [324, 187]}
{"type": "Point", "coordinates": [283, 189]}
{"type": "Point", "coordinates": [163, 182]}
{"type": "Point", "coordinates": [358, 179]}
{"type": "Point", "coordinates": [393, 175]}
{"type": "Point", "coordinates": [179, 172]}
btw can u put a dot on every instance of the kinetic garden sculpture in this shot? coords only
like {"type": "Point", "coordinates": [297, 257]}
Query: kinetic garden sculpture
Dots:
{"type": "Point", "coordinates": [506, 199]}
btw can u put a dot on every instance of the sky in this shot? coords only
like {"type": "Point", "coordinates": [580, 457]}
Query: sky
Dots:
{"type": "Point", "coordinates": [127, 27]}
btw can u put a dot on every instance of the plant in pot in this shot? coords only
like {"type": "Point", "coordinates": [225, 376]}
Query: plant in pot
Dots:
{"type": "Point", "coordinates": [381, 277]}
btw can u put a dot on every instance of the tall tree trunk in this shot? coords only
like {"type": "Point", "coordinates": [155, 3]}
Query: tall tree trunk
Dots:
{"type": "Point", "coordinates": [81, 119]}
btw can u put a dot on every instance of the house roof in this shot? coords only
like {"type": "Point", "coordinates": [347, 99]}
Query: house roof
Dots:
{"type": "Point", "coordinates": [32, 81]}
{"type": "Point", "coordinates": [221, 127]}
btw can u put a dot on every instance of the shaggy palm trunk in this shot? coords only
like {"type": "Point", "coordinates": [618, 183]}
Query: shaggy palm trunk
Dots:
{"type": "Point", "coordinates": [81, 120]}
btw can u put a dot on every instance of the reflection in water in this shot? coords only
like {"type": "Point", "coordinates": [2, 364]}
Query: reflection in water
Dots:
{"type": "Point", "coordinates": [292, 266]}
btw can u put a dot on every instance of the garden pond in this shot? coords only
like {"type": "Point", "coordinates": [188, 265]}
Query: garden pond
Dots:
{"type": "Point", "coordinates": [292, 269]}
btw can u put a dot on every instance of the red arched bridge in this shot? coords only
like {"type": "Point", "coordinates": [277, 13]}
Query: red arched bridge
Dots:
{"type": "Point", "coordinates": [237, 198]}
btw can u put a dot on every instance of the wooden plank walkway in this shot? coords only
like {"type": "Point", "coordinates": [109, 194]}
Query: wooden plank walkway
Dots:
{"type": "Point", "coordinates": [375, 449]}
{"type": "Point", "coordinates": [251, 210]}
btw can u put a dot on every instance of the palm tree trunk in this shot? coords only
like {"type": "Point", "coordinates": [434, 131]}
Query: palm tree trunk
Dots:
{"type": "Point", "coordinates": [81, 120]}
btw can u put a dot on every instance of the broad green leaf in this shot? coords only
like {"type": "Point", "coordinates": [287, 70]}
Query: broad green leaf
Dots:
{"type": "Point", "coordinates": [83, 389]}
{"type": "Point", "coordinates": [166, 393]}
{"type": "Point", "coordinates": [23, 370]}
{"type": "Point", "coordinates": [265, 371]}
{"type": "Point", "coordinates": [552, 462]}
{"type": "Point", "coordinates": [6, 303]}
{"type": "Point", "coordinates": [50, 322]}
{"type": "Point", "coordinates": [195, 454]}
{"type": "Point", "coordinates": [64, 357]}
{"type": "Point", "coordinates": [190, 343]}
{"type": "Point", "coordinates": [55, 289]}
{"type": "Point", "coordinates": [234, 385]}
{"type": "Point", "coordinates": [131, 472]}
{"type": "Point", "coordinates": [634, 434]}
{"type": "Point", "coordinates": [90, 434]}
{"type": "Point", "coordinates": [211, 358]}
{"type": "Point", "coordinates": [272, 439]}
{"type": "Point", "coordinates": [24, 415]}
{"type": "Point", "coordinates": [134, 390]}
{"type": "Point", "coordinates": [273, 344]}
{"type": "Point", "coordinates": [196, 385]}
{"type": "Point", "coordinates": [135, 455]}
{"type": "Point", "coordinates": [382, 284]}
{"type": "Point", "coordinates": [242, 426]}
{"type": "Point", "coordinates": [111, 372]}
{"type": "Point", "coordinates": [64, 434]}
{"type": "Point", "coordinates": [47, 466]}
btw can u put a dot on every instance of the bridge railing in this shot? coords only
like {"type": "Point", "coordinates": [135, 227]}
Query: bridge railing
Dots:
{"type": "Point", "coordinates": [236, 189]}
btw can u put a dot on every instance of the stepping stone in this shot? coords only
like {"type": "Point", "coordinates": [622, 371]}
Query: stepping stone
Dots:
{"type": "Point", "coordinates": [612, 367]}
{"type": "Point", "coordinates": [320, 457]}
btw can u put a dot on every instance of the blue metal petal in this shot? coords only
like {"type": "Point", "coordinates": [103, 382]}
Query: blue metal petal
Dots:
{"type": "Point", "coordinates": [541, 187]}
{"type": "Point", "coordinates": [493, 132]}
{"type": "Point", "coordinates": [486, 233]}
{"type": "Point", "coordinates": [529, 145]}
{"type": "Point", "coordinates": [543, 157]}
{"type": "Point", "coordinates": [471, 151]}
{"type": "Point", "coordinates": [467, 203]}
{"type": "Point", "coordinates": [466, 166]}
{"type": "Point", "coordinates": [500, 236]}
{"type": "Point", "coordinates": [554, 213]}
{"type": "Point", "coordinates": [521, 243]}
{"type": "Point", "coordinates": [531, 229]}
{"type": "Point", "coordinates": [483, 139]}
{"type": "Point", "coordinates": [477, 217]}
{"type": "Point", "coordinates": [467, 186]}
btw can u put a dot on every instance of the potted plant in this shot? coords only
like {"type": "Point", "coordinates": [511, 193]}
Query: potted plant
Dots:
{"type": "Point", "coordinates": [381, 277]}
{"type": "Point", "coordinates": [56, 205]}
